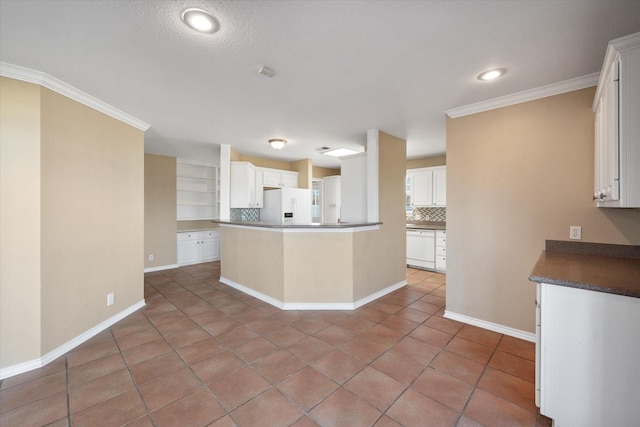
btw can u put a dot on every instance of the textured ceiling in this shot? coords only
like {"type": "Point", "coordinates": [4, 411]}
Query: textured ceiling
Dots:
{"type": "Point", "coordinates": [342, 66]}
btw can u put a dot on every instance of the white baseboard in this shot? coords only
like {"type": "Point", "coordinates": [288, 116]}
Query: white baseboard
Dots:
{"type": "Point", "coordinates": [20, 368]}
{"type": "Point", "coordinates": [516, 333]}
{"type": "Point", "coordinates": [255, 294]}
{"type": "Point", "coordinates": [160, 268]}
{"type": "Point", "coordinates": [381, 293]}
{"type": "Point", "coordinates": [312, 305]}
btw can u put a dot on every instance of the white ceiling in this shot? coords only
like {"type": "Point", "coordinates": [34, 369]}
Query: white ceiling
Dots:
{"type": "Point", "coordinates": [342, 66]}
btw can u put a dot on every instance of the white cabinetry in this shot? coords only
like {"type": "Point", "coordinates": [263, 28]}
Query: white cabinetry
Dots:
{"type": "Point", "coordinates": [331, 199]}
{"type": "Point", "coordinates": [428, 186]}
{"type": "Point", "coordinates": [198, 246]}
{"type": "Point", "coordinates": [421, 248]}
{"type": "Point", "coordinates": [587, 354]}
{"type": "Point", "coordinates": [353, 171]}
{"type": "Point", "coordinates": [441, 250]}
{"type": "Point", "coordinates": [617, 128]}
{"type": "Point", "coordinates": [278, 178]}
{"type": "Point", "coordinates": [244, 192]}
{"type": "Point", "coordinates": [197, 191]}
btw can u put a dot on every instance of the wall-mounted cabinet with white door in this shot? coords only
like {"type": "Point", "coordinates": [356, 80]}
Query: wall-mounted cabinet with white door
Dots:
{"type": "Point", "coordinates": [198, 246]}
{"type": "Point", "coordinates": [278, 178]}
{"type": "Point", "coordinates": [198, 191]}
{"type": "Point", "coordinates": [617, 126]}
{"type": "Point", "coordinates": [246, 186]}
{"type": "Point", "coordinates": [427, 187]}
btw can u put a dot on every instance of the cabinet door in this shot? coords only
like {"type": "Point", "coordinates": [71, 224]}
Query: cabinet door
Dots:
{"type": "Point", "coordinates": [259, 190]}
{"type": "Point", "coordinates": [607, 173]}
{"type": "Point", "coordinates": [209, 246]}
{"type": "Point", "coordinates": [271, 178]}
{"type": "Point", "coordinates": [440, 187]}
{"type": "Point", "coordinates": [422, 188]}
{"type": "Point", "coordinates": [289, 179]}
{"type": "Point", "coordinates": [243, 185]}
{"type": "Point", "coordinates": [331, 200]}
{"type": "Point", "coordinates": [188, 248]}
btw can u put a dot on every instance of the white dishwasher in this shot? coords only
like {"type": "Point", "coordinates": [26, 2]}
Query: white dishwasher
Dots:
{"type": "Point", "coordinates": [421, 248]}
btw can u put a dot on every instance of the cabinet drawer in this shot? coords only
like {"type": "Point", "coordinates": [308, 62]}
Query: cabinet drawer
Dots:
{"type": "Point", "coordinates": [441, 241]}
{"type": "Point", "coordinates": [188, 236]}
{"type": "Point", "coordinates": [441, 263]}
{"type": "Point", "coordinates": [441, 251]}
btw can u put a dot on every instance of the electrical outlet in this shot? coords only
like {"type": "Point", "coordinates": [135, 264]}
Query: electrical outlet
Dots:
{"type": "Point", "coordinates": [151, 257]}
{"type": "Point", "coordinates": [575, 232]}
{"type": "Point", "coordinates": [110, 298]}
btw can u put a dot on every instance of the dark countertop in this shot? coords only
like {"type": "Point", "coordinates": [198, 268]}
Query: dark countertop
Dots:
{"type": "Point", "coordinates": [260, 224]}
{"type": "Point", "coordinates": [613, 269]}
{"type": "Point", "coordinates": [426, 225]}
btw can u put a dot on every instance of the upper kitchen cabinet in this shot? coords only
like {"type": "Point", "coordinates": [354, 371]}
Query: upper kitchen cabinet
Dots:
{"type": "Point", "coordinates": [617, 127]}
{"type": "Point", "coordinates": [246, 188]}
{"type": "Point", "coordinates": [427, 186]}
{"type": "Point", "coordinates": [278, 178]}
{"type": "Point", "coordinates": [197, 191]}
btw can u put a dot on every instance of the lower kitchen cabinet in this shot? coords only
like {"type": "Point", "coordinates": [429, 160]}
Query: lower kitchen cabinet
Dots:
{"type": "Point", "coordinates": [421, 248]}
{"type": "Point", "coordinates": [441, 251]}
{"type": "Point", "coordinates": [198, 246]}
{"type": "Point", "coordinates": [427, 249]}
{"type": "Point", "coordinates": [587, 357]}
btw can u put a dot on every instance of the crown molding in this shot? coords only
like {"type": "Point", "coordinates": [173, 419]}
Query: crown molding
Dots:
{"type": "Point", "coordinates": [50, 82]}
{"type": "Point", "coordinates": [526, 95]}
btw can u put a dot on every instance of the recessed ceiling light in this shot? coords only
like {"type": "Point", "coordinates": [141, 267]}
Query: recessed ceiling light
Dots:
{"type": "Point", "coordinates": [200, 20]}
{"type": "Point", "coordinates": [339, 152]}
{"type": "Point", "coordinates": [492, 74]}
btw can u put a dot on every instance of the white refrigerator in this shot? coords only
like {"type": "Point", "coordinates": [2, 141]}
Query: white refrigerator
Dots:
{"type": "Point", "coordinates": [287, 206]}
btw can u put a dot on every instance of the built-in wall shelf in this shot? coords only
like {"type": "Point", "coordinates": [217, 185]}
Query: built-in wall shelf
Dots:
{"type": "Point", "coordinates": [198, 191]}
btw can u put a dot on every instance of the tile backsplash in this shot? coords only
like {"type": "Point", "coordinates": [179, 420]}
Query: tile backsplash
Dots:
{"type": "Point", "coordinates": [247, 214]}
{"type": "Point", "coordinates": [438, 214]}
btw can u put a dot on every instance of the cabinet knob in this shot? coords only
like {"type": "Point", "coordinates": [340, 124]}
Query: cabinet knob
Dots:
{"type": "Point", "coordinates": [602, 196]}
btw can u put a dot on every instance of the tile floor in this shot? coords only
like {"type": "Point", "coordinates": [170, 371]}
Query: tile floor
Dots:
{"type": "Point", "coordinates": [201, 353]}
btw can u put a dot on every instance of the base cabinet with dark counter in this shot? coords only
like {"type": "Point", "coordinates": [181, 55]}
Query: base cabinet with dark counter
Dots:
{"type": "Point", "coordinates": [198, 246]}
{"type": "Point", "coordinates": [587, 340]}
{"type": "Point", "coordinates": [427, 247]}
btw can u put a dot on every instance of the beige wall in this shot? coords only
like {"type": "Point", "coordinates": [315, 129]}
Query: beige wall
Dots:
{"type": "Point", "coordinates": [196, 225]}
{"type": "Point", "coordinates": [77, 177]}
{"type": "Point", "coordinates": [320, 172]}
{"type": "Point", "coordinates": [318, 267]}
{"type": "Point", "coordinates": [426, 162]}
{"type": "Point", "coordinates": [380, 257]}
{"type": "Point", "coordinates": [160, 210]}
{"type": "Point", "coordinates": [517, 176]}
{"type": "Point", "coordinates": [19, 222]}
{"type": "Point", "coordinates": [262, 162]}
{"type": "Point", "coordinates": [253, 258]}
{"type": "Point", "coordinates": [304, 169]}
{"type": "Point", "coordinates": [92, 217]}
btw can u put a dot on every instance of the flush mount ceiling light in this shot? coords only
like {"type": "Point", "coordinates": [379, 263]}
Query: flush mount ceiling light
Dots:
{"type": "Point", "coordinates": [277, 143]}
{"type": "Point", "coordinates": [492, 74]}
{"type": "Point", "coordinates": [339, 152]}
{"type": "Point", "coordinates": [200, 20]}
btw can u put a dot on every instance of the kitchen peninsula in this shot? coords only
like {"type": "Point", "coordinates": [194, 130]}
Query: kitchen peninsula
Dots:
{"type": "Point", "coordinates": [304, 266]}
